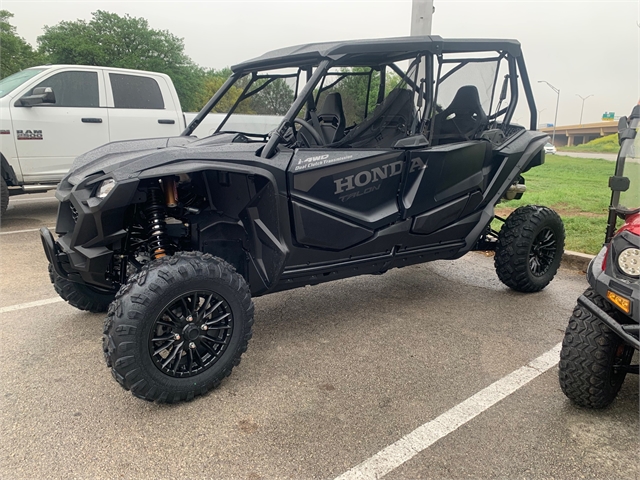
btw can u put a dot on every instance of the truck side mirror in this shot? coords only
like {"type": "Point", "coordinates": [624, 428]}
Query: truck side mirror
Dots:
{"type": "Point", "coordinates": [38, 96]}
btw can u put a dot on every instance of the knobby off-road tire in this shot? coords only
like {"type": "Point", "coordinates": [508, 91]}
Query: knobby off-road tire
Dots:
{"type": "Point", "coordinates": [4, 196]}
{"type": "Point", "coordinates": [81, 296]}
{"type": "Point", "coordinates": [154, 334]}
{"type": "Point", "coordinates": [529, 248]}
{"type": "Point", "coordinates": [589, 352]}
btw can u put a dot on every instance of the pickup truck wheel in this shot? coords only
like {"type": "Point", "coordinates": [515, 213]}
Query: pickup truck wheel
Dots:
{"type": "Point", "coordinates": [178, 327]}
{"type": "Point", "coordinates": [590, 352]}
{"type": "Point", "coordinates": [81, 296]}
{"type": "Point", "coordinates": [529, 248]}
{"type": "Point", "coordinates": [4, 196]}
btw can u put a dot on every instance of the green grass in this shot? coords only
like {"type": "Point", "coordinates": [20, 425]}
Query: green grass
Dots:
{"type": "Point", "coordinates": [576, 188]}
{"type": "Point", "coordinates": [608, 144]}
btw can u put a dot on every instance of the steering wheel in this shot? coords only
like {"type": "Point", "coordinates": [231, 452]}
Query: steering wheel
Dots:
{"type": "Point", "coordinates": [312, 131]}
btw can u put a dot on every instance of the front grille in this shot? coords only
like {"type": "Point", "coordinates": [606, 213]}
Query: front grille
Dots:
{"type": "Point", "coordinates": [74, 213]}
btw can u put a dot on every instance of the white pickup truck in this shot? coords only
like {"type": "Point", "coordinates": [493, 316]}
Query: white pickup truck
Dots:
{"type": "Point", "coordinates": [51, 114]}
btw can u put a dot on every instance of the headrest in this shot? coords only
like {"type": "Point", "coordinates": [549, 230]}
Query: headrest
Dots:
{"type": "Point", "coordinates": [332, 105]}
{"type": "Point", "coordinates": [466, 99]}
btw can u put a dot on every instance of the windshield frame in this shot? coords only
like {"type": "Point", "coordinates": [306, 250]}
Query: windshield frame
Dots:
{"type": "Point", "coordinates": [250, 90]}
{"type": "Point", "coordinates": [299, 97]}
{"type": "Point", "coordinates": [629, 153]}
{"type": "Point", "coordinates": [37, 70]}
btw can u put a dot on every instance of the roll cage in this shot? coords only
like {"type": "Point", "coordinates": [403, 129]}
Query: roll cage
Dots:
{"type": "Point", "coordinates": [432, 61]}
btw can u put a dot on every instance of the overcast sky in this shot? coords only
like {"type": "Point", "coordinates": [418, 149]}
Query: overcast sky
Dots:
{"type": "Point", "coordinates": [581, 47]}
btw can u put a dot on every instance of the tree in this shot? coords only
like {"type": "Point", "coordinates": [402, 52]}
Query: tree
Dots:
{"type": "Point", "coordinates": [125, 42]}
{"type": "Point", "coordinates": [212, 81]}
{"type": "Point", "coordinates": [16, 53]}
{"type": "Point", "coordinates": [274, 99]}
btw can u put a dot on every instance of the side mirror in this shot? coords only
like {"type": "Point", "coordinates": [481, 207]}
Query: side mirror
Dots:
{"type": "Point", "coordinates": [38, 96]}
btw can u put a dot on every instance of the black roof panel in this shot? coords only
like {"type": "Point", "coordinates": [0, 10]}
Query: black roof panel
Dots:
{"type": "Point", "coordinates": [372, 51]}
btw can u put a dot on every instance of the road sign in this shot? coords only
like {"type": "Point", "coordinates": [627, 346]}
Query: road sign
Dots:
{"type": "Point", "coordinates": [608, 116]}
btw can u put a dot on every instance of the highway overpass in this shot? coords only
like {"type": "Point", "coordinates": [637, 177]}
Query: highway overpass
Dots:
{"type": "Point", "coordinates": [570, 135]}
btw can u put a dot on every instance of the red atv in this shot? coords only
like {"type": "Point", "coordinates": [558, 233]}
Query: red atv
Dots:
{"type": "Point", "coordinates": [602, 335]}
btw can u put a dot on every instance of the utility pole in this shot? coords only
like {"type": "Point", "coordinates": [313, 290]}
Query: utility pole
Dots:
{"type": "Point", "coordinates": [555, 121]}
{"type": "Point", "coordinates": [582, 109]}
{"type": "Point", "coordinates": [421, 17]}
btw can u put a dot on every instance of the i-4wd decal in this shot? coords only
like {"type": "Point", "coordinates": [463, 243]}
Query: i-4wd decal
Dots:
{"type": "Point", "coordinates": [29, 134]}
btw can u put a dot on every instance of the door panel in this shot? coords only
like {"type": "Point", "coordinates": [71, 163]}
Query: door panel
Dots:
{"type": "Point", "coordinates": [438, 217]}
{"type": "Point", "coordinates": [444, 174]}
{"type": "Point", "coordinates": [319, 229]}
{"type": "Point", "coordinates": [357, 186]}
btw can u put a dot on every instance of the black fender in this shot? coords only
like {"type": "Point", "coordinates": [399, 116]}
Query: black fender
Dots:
{"type": "Point", "coordinates": [517, 155]}
{"type": "Point", "coordinates": [251, 239]}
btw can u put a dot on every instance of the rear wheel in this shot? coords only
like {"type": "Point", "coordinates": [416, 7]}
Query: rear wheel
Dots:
{"type": "Point", "coordinates": [81, 296]}
{"type": "Point", "coordinates": [4, 196]}
{"type": "Point", "coordinates": [589, 356]}
{"type": "Point", "coordinates": [529, 248]}
{"type": "Point", "coordinates": [178, 327]}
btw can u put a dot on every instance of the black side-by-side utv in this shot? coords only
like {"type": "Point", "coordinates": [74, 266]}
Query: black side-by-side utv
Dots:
{"type": "Point", "coordinates": [602, 335]}
{"type": "Point", "coordinates": [388, 153]}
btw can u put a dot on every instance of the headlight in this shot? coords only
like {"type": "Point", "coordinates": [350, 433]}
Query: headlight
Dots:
{"type": "Point", "coordinates": [105, 187]}
{"type": "Point", "coordinates": [629, 261]}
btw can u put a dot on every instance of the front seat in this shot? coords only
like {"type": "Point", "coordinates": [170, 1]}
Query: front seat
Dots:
{"type": "Point", "coordinates": [331, 118]}
{"type": "Point", "coordinates": [461, 120]}
{"type": "Point", "coordinates": [389, 122]}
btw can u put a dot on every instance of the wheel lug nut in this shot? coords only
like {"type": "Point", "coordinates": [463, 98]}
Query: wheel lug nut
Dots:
{"type": "Point", "coordinates": [176, 336]}
{"type": "Point", "coordinates": [204, 327]}
{"type": "Point", "coordinates": [192, 345]}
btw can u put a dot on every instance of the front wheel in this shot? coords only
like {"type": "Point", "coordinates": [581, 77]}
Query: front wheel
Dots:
{"type": "Point", "coordinates": [529, 248]}
{"type": "Point", "coordinates": [83, 297]}
{"type": "Point", "coordinates": [178, 327]}
{"type": "Point", "coordinates": [589, 357]}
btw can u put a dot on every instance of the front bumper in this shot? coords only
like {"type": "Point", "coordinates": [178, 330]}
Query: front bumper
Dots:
{"type": "Point", "coordinates": [88, 231]}
{"type": "Point", "coordinates": [84, 265]}
{"type": "Point", "coordinates": [627, 332]}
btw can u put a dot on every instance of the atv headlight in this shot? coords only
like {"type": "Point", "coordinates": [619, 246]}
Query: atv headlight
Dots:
{"type": "Point", "coordinates": [629, 261]}
{"type": "Point", "coordinates": [105, 187]}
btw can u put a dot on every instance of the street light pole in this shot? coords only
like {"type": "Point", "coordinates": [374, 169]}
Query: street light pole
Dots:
{"type": "Point", "coordinates": [555, 120]}
{"type": "Point", "coordinates": [582, 109]}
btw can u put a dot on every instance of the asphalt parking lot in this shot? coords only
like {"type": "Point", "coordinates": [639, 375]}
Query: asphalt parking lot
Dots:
{"type": "Point", "coordinates": [334, 375]}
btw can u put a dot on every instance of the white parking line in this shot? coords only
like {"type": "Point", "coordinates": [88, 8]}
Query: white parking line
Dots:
{"type": "Point", "coordinates": [23, 231]}
{"type": "Point", "coordinates": [37, 303]}
{"type": "Point", "coordinates": [27, 200]}
{"type": "Point", "coordinates": [426, 435]}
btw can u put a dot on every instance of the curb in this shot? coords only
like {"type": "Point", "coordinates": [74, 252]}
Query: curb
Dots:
{"type": "Point", "coordinates": [576, 260]}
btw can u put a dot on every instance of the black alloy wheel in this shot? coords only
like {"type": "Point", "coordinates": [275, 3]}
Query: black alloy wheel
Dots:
{"type": "Point", "coordinates": [529, 248]}
{"type": "Point", "coordinates": [542, 252]}
{"type": "Point", "coordinates": [178, 327]}
{"type": "Point", "coordinates": [191, 334]}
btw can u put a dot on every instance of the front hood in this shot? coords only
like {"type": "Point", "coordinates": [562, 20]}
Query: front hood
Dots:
{"type": "Point", "coordinates": [127, 159]}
